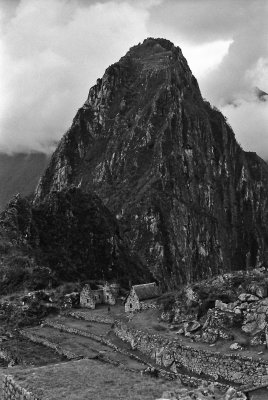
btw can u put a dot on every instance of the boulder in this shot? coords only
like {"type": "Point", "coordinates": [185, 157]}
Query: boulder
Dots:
{"type": "Point", "coordinates": [250, 327]}
{"type": "Point", "coordinates": [247, 297]}
{"type": "Point", "coordinates": [257, 289]}
{"type": "Point", "coordinates": [258, 339]}
{"type": "Point", "coordinates": [252, 297]}
{"type": "Point", "coordinates": [243, 297]}
{"type": "Point", "coordinates": [237, 311]}
{"type": "Point", "coordinates": [254, 322]}
{"type": "Point", "coordinates": [192, 326]}
{"type": "Point", "coordinates": [235, 346]}
{"type": "Point", "coordinates": [233, 394]}
{"type": "Point", "coordinates": [210, 336]}
{"type": "Point", "coordinates": [223, 334]}
{"type": "Point", "coordinates": [221, 306]}
{"type": "Point", "coordinates": [191, 295]}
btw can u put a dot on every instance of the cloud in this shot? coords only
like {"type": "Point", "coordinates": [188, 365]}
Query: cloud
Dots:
{"type": "Point", "coordinates": [249, 121]}
{"type": "Point", "coordinates": [238, 30]}
{"type": "Point", "coordinates": [54, 50]}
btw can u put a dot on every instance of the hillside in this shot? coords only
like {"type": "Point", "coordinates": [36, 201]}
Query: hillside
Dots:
{"type": "Point", "coordinates": [70, 237]}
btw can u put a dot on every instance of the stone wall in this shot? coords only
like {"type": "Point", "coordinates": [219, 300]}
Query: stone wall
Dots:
{"type": "Point", "coordinates": [230, 368]}
{"type": "Point", "coordinates": [90, 317]}
{"type": "Point", "coordinates": [145, 305]}
{"type": "Point", "coordinates": [13, 391]}
{"type": "Point", "coordinates": [107, 342]}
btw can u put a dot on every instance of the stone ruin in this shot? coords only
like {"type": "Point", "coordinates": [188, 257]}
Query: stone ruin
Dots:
{"type": "Point", "coordinates": [247, 312]}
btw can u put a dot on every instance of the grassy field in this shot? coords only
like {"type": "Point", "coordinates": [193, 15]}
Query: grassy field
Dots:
{"type": "Point", "coordinates": [96, 328]}
{"type": "Point", "coordinates": [85, 347]}
{"type": "Point", "coordinates": [30, 354]}
{"type": "Point", "coordinates": [89, 379]}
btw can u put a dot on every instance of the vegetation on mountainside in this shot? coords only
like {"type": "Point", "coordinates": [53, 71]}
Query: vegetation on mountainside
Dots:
{"type": "Point", "coordinates": [70, 236]}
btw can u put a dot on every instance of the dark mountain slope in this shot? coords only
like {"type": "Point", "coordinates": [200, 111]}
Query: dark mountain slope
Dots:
{"type": "Point", "coordinates": [20, 173]}
{"type": "Point", "coordinates": [71, 236]}
{"type": "Point", "coordinates": [191, 202]}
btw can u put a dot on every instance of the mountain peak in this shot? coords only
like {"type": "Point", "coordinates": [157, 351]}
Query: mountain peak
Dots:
{"type": "Point", "coordinates": [189, 200]}
{"type": "Point", "coordinates": [157, 50]}
{"type": "Point", "coordinates": [155, 43]}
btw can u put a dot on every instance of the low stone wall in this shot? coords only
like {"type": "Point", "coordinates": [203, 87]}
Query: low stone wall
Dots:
{"type": "Point", "coordinates": [58, 349]}
{"type": "Point", "coordinates": [186, 380]}
{"type": "Point", "coordinates": [90, 317]}
{"type": "Point", "coordinates": [13, 391]}
{"type": "Point", "coordinates": [76, 331]}
{"type": "Point", "coordinates": [146, 305]}
{"type": "Point", "coordinates": [106, 342]}
{"type": "Point", "coordinates": [175, 356]}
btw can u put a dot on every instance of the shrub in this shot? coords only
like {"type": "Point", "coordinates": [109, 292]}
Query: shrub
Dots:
{"type": "Point", "coordinates": [167, 300]}
{"type": "Point", "coordinates": [159, 328]}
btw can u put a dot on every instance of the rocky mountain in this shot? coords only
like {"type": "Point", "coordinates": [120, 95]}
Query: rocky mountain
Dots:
{"type": "Point", "coordinates": [19, 173]}
{"type": "Point", "coordinates": [189, 200]}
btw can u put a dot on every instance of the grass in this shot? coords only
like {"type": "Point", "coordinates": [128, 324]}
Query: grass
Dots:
{"type": "Point", "coordinates": [90, 379]}
{"type": "Point", "coordinates": [29, 353]}
{"type": "Point", "coordinates": [159, 328]}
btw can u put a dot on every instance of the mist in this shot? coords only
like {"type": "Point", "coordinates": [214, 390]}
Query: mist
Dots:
{"type": "Point", "coordinates": [52, 52]}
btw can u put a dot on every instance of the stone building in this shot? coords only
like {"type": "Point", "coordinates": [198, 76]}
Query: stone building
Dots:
{"type": "Point", "coordinates": [142, 297]}
{"type": "Point", "coordinates": [106, 294]}
{"type": "Point", "coordinates": [109, 295]}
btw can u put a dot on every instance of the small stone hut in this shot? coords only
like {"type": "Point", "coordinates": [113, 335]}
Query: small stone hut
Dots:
{"type": "Point", "coordinates": [89, 298]}
{"type": "Point", "coordinates": [142, 297]}
{"type": "Point", "coordinates": [104, 295]}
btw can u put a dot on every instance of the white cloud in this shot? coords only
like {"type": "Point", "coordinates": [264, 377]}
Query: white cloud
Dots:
{"type": "Point", "coordinates": [205, 57]}
{"type": "Point", "coordinates": [249, 121]}
{"type": "Point", "coordinates": [54, 51]}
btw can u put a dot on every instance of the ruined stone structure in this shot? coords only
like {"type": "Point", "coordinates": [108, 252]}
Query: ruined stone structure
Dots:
{"type": "Point", "coordinates": [140, 297]}
{"type": "Point", "coordinates": [109, 295]}
{"type": "Point", "coordinates": [104, 295]}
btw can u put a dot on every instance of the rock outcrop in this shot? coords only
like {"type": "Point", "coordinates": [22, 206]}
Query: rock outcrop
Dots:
{"type": "Point", "coordinates": [190, 201]}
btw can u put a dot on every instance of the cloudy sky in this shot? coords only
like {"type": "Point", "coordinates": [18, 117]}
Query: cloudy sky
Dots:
{"type": "Point", "coordinates": [52, 52]}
